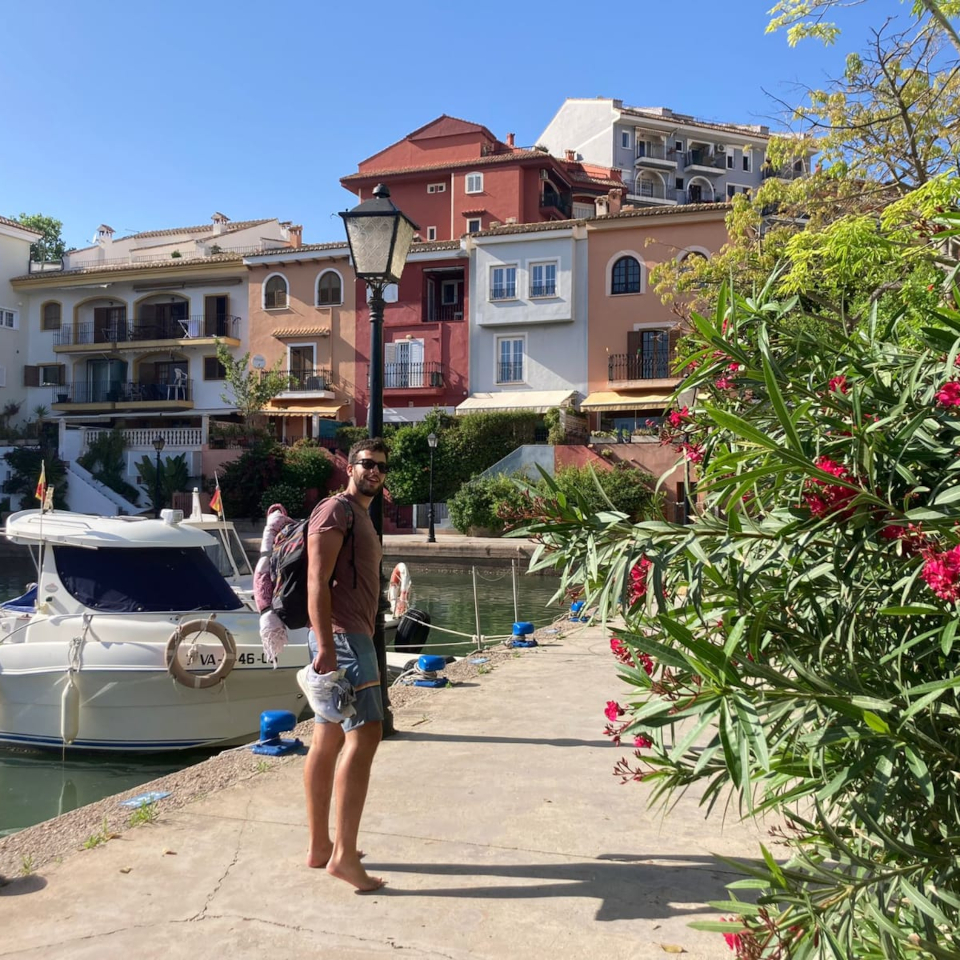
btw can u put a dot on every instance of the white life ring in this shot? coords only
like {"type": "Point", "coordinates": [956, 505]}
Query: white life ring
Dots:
{"type": "Point", "coordinates": [400, 592]}
{"type": "Point", "coordinates": [199, 681]}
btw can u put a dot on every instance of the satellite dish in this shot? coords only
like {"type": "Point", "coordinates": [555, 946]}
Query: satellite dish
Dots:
{"type": "Point", "coordinates": [259, 362]}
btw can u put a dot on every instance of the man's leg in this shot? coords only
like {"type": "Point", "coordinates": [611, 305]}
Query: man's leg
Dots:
{"type": "Point", "coordinates": [352, 780]}
{"type": "Point", "coordinates": [318, 778]}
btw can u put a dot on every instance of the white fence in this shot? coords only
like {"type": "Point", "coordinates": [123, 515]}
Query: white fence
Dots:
{"type": "Point", "coordinates": [172, 437]}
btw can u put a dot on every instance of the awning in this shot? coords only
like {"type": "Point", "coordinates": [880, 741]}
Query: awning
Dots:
{"type": "Point", "coordinates": [613, 400]}
{"type": "Point", "coordinates": [317, 410]}
{"type": "Point", "coordinates": [538, 401]}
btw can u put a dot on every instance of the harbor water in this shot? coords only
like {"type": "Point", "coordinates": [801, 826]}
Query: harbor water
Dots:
{"type": "Point", "coordinates": [35, 786]}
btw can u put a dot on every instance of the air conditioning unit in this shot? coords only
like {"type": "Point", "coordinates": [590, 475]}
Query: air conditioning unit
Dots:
{"type": "Point", "coordinates": [544, 174]}
{"type": "Point", "coordinates": [720, 148]}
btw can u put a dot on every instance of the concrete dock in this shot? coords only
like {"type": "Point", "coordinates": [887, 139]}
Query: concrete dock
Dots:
{"type": "Point", "coordinates": [493, 814]}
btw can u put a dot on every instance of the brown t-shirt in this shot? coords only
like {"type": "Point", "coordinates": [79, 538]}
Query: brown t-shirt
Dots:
{"type": "Point", "coordinates": [354, 609]}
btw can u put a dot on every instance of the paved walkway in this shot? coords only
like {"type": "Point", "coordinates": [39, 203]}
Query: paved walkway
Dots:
{"type": "Point", "coordinates": [493, 814]}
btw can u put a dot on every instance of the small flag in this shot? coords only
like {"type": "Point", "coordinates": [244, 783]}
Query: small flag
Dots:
{"type": "Point", "coordinates": [40, 492]}
{"type": "Point", "coordinates": [215, 505]}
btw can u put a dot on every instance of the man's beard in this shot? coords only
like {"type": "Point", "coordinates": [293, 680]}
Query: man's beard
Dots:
{"type": "Point", "coordinates": [369, 488]}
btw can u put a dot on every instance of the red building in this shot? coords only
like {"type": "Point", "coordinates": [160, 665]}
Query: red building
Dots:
{"type": "Point", "coordinates": [453, 177]}
{"type": "Point", "coordinates": [425, 336]}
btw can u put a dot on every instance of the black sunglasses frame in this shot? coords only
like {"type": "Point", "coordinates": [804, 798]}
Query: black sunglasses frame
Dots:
{"type": "Point", "coordinates": [368, 464]}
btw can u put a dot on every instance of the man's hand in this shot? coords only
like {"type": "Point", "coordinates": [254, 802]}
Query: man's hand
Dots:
{"type": "Point", "coordinates": [325, 660]}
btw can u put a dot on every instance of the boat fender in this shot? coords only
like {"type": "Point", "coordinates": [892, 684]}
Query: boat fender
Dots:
{"type": "Point", "coordinates": [200, 681]}
{"type": "Point", "coordinates": [399, 591]}
{"type": "Point", "coordinates": [70, 711]}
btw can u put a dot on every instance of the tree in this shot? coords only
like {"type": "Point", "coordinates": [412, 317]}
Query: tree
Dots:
{"type": "Point", "coordinates": [250, 390]}
{"type": "Point", "coordinates": [51, 246]}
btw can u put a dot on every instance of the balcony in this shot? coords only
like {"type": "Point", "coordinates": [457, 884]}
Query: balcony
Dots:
{"type": "Point", "coordinates": [556, 204]}
{"type": "Point", "coordinates": [113, 394]}
{"type": "Point", "coordinates": [429, 376]}
{"type": "Point", "coordinates": [658, 155]}
{"type": "Point", "coordinates": [307, 381]}
{"type": "Point", "coordinates": [433, 313]}
{"type": "Point", "coordinates": [198, 327]}
{"type": "Point", "coordinates": [623, 368]}
{"type": "Point", "coordinates": [704, 161]}
{"type": "Point", "coordinates": [789, 172]}
{"type": "Point", "coordinates": [510, 372]}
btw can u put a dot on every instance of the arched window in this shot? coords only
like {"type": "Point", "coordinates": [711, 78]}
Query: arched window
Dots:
{"type": "Point", "coordinates": [51, 315]}
{"type": "Point", "coordinates": [275, 292]}
{"type": "Point", "coordinates": [626, 276]}
{"type": "Point", "coordinates": [329, 289]}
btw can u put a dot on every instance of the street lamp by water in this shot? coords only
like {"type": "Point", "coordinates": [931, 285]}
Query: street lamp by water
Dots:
{"type": "Point", "coordinates": [158, 445]}
{"type": "Point", "coordinates": [379, 236]}
{"type": "Point", "coordinates": [432, 441]}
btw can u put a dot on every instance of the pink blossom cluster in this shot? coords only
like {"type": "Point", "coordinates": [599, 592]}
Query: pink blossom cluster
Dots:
{"type": "Point", "coordinates": [623, 653]}
{"type": "Point", "coordinates": [638, 580]}
{"type": "Point", "coordinates": [724, 382]}
{"type": "Point", "coordinates": [911, 537]}
{"type": "Point", "coordinates": [941, 573]}
{"type": "Point", "coordinates": [825, 499]}
{"type": "Point", "coordinates": [949, 394]}
{"type": "Point", "coordinates": [838, 385]}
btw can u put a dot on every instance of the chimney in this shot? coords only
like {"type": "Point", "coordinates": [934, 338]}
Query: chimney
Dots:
{"type": "Point", "coordinates": [570, 155]}
{"type": "Point", "coordinates": [511, 137]}
{"type": "Point", "coordinates": [614, 201]}
{"type": "Point", "coordinates": [219, 221]}
{"type": "Point", "coordinates": [104, 234]}
{"type": "Point", "coordinates": [295, 232]}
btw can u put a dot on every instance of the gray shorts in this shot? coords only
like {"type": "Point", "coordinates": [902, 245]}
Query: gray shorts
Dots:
{"type": "Point", "coordinates": [357, 655]}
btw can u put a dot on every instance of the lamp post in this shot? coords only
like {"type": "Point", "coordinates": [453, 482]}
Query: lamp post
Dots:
{"type": "Point", "coordinates": [379, 236]}
{"type": "Point", "coordinates": [432, 535]}
{"type": "Point", "coordinates": [158, 445]}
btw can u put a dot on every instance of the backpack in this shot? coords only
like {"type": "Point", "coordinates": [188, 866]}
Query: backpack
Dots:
{"type": "Point", "coordinates": [288, 569]}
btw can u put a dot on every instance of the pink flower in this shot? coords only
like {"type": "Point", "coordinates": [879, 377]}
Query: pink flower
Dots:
{"type": "Point", "coordinates": [646, 661]}
{"type": "Point", "coordinates": [825, 499]}
{"type": "Point", "coordinates": [941, 573]}
{"type": "Point", "coordinates": [911, 536]}
{"type": "Point", "coordinates": [638, 580]}
{"type": "Point", "coordinates": [676, 417]}
{"type": "Point", "coordinates": [642, 742]}
{"type": "Point", "coordinates": [949, 394]}
{"type": "Point", "coordinates": [724, 383]}
{"type": "Point", "coordinates": [838, 384]}
{"type": "Point", "coordinates": [613, 710]}
{"type": "Point", "coordinates": [692, 451]}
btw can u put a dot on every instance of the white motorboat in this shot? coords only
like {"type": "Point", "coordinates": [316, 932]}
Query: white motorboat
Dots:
{"type": "Point", "coordinates": [133, 641]}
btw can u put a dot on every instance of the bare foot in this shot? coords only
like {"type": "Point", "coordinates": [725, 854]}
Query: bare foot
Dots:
{"type": "Point", "coordinates": [352, 871]}
{"type": "Point", "coordinates": [322, 858]}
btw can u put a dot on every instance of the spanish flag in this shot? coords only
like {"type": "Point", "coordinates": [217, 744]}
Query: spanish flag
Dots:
{"type": "Point", "coordinates": [41, 490]}
{"type": "Point", "coordinates": [215, 505]}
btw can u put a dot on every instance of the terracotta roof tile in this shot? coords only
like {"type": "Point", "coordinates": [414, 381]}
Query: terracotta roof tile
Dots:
{"type": "Point", "coordinates": [450, 164]}
{"type": "Point", "coordinates": [682, 120]}
{"type": "Point", "coordinates": [166, 264]}
{"type": "Point", "coordinates": [6, 221]}
{"type": "Point", "coordinates": [203, 228]}
{"type": "Point", "coordinates": [283, 332]}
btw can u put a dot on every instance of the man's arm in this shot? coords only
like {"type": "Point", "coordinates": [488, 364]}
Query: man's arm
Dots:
{"type": "Point", "coordinates": [322, 552]}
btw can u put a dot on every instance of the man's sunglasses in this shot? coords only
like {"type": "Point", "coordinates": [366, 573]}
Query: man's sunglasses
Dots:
{"type": "Point", "coordinates": [370, 464]}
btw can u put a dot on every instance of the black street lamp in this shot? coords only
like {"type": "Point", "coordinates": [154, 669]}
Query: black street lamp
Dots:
{"type": "Point", "coordinates": [158, 444]}
{"type": "Point", "coordinates": [432, 535]}
{"type": "Point", "coordinates": [379, 236]}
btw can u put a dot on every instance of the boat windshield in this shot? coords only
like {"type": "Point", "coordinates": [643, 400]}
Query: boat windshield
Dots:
{"type": "Point", "coordinates": [228, 545]}
{"type": "Point", "coordinates": [125, 580]}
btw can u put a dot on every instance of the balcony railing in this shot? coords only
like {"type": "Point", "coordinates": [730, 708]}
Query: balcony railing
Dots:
{"type": "Point", "coordinates": [546, 289]}
{"type": "Point", "coordinates": [703, 158]}
{"type": "Point", "coordinates": [442, 312]}
{"type": "Point", "coordinates": [413, 376]}
{"type": "Point", "coordinates": [306, 380]}
{"type": "Point", "coordinates": [510, 372]}
{"type": "Point", "coordinates": [134, 391]}
{"type": "Point", "coordinates": [140, 329]}
{"type": "Point", "coordinates": [655, 151]}
{"type": "Point", "coordinates": [650, 190]}
{"type": "Point", "coordinates": [172, 436]}
{"type": "Point", "coordinates": [551, 200]}
{"type": "Point", "coordinates": [625, 366]}
{"type": "Point", "coordinates": [504, 291]}
{"type": "Point", "coordinates": [783, 173]}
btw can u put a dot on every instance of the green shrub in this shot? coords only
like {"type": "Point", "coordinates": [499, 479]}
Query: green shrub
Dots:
{"type": "Point", "coordinates": [25, 465]}
{"type": "Point", "coordinates": [244, 480]}
{"type": "Point", "coordinates": [289, 494]}
{"type": "Point", "coordinates": [104, 459]}
{"type": "Point", "coordinates": [346, 437]}
{"type": "Point", "coordinates": [306, 465]}
{"type": "Point", "coordinates": [479, 503]}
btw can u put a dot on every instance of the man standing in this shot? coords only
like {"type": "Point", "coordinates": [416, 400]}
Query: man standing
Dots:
{"type": "Point", "coordinates": [343, 595]}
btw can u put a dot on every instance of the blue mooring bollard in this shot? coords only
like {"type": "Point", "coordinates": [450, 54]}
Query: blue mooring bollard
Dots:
{"type": "Point", "coordinates": [522, 635]}
{"type": "Point", "coordinates": [272, 724]}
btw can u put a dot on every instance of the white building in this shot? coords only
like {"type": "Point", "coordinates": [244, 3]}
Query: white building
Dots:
{"type": "Point", "coordinates": [665, 158]}
{"type": "Point", "coordinates": [528, 316]}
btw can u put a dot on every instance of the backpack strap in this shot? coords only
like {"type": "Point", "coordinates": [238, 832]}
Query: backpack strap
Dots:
{"type": "Point", "coordinates": [349, 535]}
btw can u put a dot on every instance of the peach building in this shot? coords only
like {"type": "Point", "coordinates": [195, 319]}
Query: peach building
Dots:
{"type": "Point", "coordinates": [303, 314]}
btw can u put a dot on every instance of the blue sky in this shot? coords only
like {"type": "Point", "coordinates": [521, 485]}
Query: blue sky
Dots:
{"type": "Point", "coordinates": [146, 115]}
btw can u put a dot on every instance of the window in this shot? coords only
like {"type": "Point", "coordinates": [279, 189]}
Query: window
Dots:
{"type": "Point", "coordinates": [678, 146]}
{"type": "Point", "coordinates": [474, 225]}
{"type": "Point", "coordinates": [543, 280]}
{"type": "Point", "coordinates": [729, 159]}
{"type": "Point", "coordinates": [747, 160]}
{"type": "Point", "coordinates": [51, 374]}
{"type": "Point", "coordinates": [275, 292]}
{"type": "Point", "coordinates": [329, 289]}
{"type": "Point", "coordinates": [626, 276]}
{"type": "Point", "coordinates": [50, 316]}
{"type": "Point", "coordinates": [437, 188]}
{"type": "Point", "coordinates": [510, 352]}
{"type": "Point", "coordinates": [625, 139]}
{"type": "Point", "coordinates": [449, 292]}
{"type": "Point", "coordinates": [474, 183]}
{"type": "Point", "coordinates": [403, 365]}
{"type": "Point", "coordinates": [503, 283]}
{"type": "Point", "coordinates": [8, 318]}
{"type": "Point", "coordinates": [679, 183]}
{"type": "Point", "coordinates": [213, 369]}
{"type": "Point", "coordinates": [431, 233]}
